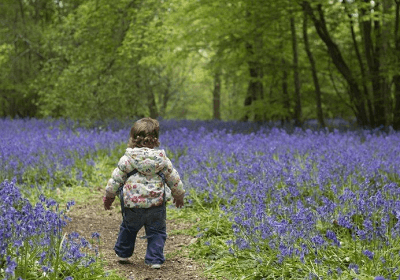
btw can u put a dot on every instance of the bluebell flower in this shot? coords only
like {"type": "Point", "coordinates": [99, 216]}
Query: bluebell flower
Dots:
{"type": "Point", "coordinates": [242, 244]}
{"type": "Point", "coordinates": [18, 243]}
{"type": "Point", "coordinates": [330, 272]}
{"type": "Point", "coordinates": [369, 254]}
{"type": "Point", "coordinates": [318, 240]}
{"type": "Point", "coordinates": [89, 262]}
{"type": "Point", "coordinates": [42, 257]}
{"type": "Point", "coordinates": [354, 267]}
{"type": "Point", "coordinates": [95, 235]}
{"type": "Point", "coordinates": [339, 271]}
{"type": "Point", "coordinates": [70, 203]}
{"type": "Point", "coordinates": [344, 221]}
{"type": "Point", "coordinates": [47, 269]}
{"type": "Point", "coordinates": [332, 236]}
{"type": "Point", "coordinates": [73, 235]}
{"type": "Point", "coordinates": [11, 265]}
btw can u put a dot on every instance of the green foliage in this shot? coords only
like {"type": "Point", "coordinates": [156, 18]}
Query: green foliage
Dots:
{"type": "Point", "coordinates": [86, 59]}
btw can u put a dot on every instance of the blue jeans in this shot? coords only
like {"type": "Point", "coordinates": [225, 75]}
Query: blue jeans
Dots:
{"type": "Point", "coordinates": [153, 220]}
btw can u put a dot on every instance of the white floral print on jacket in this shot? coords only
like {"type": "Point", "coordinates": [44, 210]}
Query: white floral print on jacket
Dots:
{"type": "Point", "coordinates": [145, 188]}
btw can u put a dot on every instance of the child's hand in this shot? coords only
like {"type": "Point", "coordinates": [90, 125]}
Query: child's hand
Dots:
{"type": "Point", "coordinates": [107, 202]}
{"type": "Point", "coordinates": [179, 201]}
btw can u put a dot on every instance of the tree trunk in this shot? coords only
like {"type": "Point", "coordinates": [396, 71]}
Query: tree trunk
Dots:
{"type": "Point", "coordinates": [337, 58]}
{"type": "Point", "coordinates": [364, 78]}
{"type": "Point", "coordinates": [373, 54]}
{"type": "Point", "coordinates": [320, 115]}
{"type": "Point", "coordinates": [396, 112]}
{"type": "Point", "coordinates": [396, 78]}
{"type": "Point", "coordinates": [386, 59]}
{"type": "Point", "coordinates": [297, 107]}
{"type": "Point", "coordinates": [217, 95]}
{"type": "Point", "coordinates": [286, 98]}
{"type": "Point", "coordinates": [165, 97]}
{"type": "Point", "coordinates": [152, 104]}
{"type": "Point", "coordinates": [255, 90]}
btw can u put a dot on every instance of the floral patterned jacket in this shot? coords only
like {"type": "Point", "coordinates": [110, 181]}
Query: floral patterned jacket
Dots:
{"type": "Point", "coordinates": [145, 188]}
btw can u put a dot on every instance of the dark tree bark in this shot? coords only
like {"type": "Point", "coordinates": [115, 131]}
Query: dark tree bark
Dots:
{"type": "Point", "coordinates": [373, 56]}
{"type": "Point", "coordinates": [152, 104]}
{"type": "Point", "coordinates": [364, 78]}
{"type": "Point", "coordinates": [297, 107]}
{"type": "Point", "coordinates": [286, 97]}
{"type": "Point", "coordinates": [217, 95]}
{"type": "Point", "coordinates": [318, 94]}
{"type": "Point", "coordinates": [255, 89]}
{"type": "Point", "coordinates": [387, 6]}
{"type": "Point", "coordinates": [334, 52]}
{"type": "Point", "coordinates": [396, 78]}
{"type": "Point", "coordinates": [165, 97]}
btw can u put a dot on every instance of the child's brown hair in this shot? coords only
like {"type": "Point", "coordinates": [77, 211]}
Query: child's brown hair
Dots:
{"type": "Point", "coordinates": [144, 133]}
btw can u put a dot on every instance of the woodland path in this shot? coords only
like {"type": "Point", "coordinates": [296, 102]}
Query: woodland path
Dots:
{"type": "Point", "coordinates": [91, 217]}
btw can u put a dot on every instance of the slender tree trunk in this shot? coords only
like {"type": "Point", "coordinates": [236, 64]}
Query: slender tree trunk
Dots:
{"type": "Point", "coordinates": [386, 60]}
{"type": "Point", "coordinates": [152, 104]}
{"type": "Point", "coordinates": [364, 79]}
{"type": "Point", "coordinates": [217, 95]}
{"type": "Point", "coordinates": [396, 78]}
{"type": "Point", "coordinates": [165, 94]}
{"type": "Point", "coordinates": [297, 107]}
{"type": "Point", "coordinates": [334, 52]}
{"type": "Point", "coordinates": [396, 112]}
{"type": "Point", "coordinates": [255, 89]}
{"type": "Point", "coordinates": [165, 98]}
{"type": "Point", "coordinates": [318, 94]}
{"type": "Point", "coordinates": [373, 56]}
{"type": "Point", "coordinates": [4, 105]}
{"type": "Point", "coordinates": [286, 98]}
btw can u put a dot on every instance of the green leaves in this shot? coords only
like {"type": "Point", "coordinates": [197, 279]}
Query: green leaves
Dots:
{"type": "Point", "coordinates": [87, 59]}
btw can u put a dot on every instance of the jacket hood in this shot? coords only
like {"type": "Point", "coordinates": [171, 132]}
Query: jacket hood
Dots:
{"type": "Point", "coordinates": [147, 161]}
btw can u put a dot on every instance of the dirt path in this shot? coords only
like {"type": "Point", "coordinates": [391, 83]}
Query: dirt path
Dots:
{"type": "Point", "coordinates": [91, 217]}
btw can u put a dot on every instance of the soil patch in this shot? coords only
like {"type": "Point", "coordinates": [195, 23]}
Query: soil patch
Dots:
{"type": "Point", "coordinates": [91, 217]}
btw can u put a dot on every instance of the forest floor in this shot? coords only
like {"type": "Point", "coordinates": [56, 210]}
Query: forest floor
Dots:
{"type": "Point", "coordinates": [90, 217]}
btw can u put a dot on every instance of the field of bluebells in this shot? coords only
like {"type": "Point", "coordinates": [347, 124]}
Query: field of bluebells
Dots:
{"type": "Point", "coordinates": [303, 205]}
{"type": "Point", "coordinates": [291, 203]}
{"type": "Point", "coordinates": [37, 157]}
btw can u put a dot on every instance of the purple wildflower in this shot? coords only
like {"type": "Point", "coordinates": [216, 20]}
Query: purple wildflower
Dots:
{"type": "Point", "coordinates": [354, 267]}
{"type": "Point", "coordinates": [369, 254]}
{"type": "Point", "coordinates": [95, 235]}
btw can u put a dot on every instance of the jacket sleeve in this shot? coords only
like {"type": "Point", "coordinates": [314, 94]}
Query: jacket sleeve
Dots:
{"type": "Point", "coordinates": [118, 176]}
{"type": "Point", "coordinates": [173, 180]}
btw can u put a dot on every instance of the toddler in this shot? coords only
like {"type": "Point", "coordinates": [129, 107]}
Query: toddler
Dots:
{"type": "Point", "coordinates": [144, 192]}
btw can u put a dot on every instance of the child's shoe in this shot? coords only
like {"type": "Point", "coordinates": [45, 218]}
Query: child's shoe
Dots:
{"type": "Point", "coordinates": [155, 266]}
{"type": "Point", "coordinates": [122, 260]}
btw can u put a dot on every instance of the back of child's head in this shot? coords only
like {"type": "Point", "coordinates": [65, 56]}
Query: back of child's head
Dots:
{"type": "Point", "coordinates": [144, 133]}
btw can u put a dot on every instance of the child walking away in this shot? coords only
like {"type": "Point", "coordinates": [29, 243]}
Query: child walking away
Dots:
{"type": "Point", "coordinates": [146, 179]}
